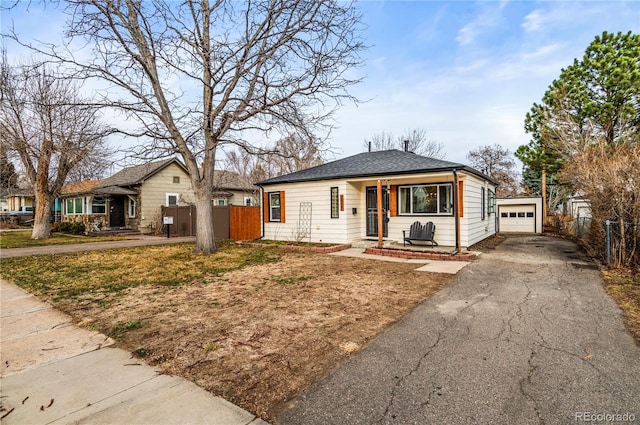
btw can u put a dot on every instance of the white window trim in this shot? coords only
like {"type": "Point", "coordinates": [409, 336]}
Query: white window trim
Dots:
{"type": "Point", "coordinates": [133, 202]}
{"type": "Point", "coordinates": [271, 208]}
{"type": "Point", "coordinates": [166, 198]}
{"type": "Point", "coordinates": [250, 199]}
{"type": "Point", "coordinates": [91, 199]}
{"type": "Point", "coordinates": [437, 186]}
{"type": "Point", "coordinates": [84, 205]}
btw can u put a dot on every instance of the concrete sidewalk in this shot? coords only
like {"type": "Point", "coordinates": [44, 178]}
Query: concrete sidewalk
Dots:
{"type": "Point", "coordinates": [54, 372]}
{"type": "Point", "coordinates": [92, 246]}
{"type": "Point", "coordinates": [433, 266]}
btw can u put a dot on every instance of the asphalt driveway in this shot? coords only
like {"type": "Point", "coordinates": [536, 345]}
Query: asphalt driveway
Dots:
{"type": "Point", "coordinates": [524, 335]}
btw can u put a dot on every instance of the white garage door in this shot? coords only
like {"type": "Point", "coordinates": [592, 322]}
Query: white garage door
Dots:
{"type": "Point", "coordinates": [518, 218]}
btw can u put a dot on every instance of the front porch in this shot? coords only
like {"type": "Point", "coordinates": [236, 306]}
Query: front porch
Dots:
{"type": "Point", "coordinates": [394, 248]}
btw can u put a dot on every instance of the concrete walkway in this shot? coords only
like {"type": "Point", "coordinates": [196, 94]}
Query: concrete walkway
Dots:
{"type": "Point", "coordinates": [92, 246]}
{"type": "Point", "coordinates": [525, 334]}
{"type": "Point", "coordinates": [433, 266]}
{"type": "Point", "coordinates": [53, 372]}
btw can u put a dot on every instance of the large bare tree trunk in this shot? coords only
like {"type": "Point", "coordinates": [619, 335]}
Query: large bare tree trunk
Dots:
{"type": "Point", "coordinates": [41, 225]}
{"type": "Point", "coordinates": [205, 241]}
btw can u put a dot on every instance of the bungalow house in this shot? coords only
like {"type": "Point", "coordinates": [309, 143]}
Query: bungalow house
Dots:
{"type": "Point", "coordinates": [231, 188]}
{"type": "Point", "coordinates": [17, 198]}
{"type": "Point", "coordinates": [337, 202]}
{"type": "Point", "coordinates": [130, 199]}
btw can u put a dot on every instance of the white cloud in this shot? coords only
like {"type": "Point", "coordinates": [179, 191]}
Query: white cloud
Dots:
{"type": "Point", "coordinates": [542, 51]}
{"type": "Point", "coordinates": [534, 21]}
{"type": "Point", "coordinates": [486, 20]}
{"type": "Point", "coordinates": [467, 34]}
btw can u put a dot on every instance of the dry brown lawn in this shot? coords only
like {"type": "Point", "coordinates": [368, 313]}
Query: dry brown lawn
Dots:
{"type": "Point", "coordinates": [258, 336]}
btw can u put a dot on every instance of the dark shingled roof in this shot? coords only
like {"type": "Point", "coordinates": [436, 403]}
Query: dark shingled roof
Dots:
{"type": "Point", "coordinates": [137, 174]}
{"type": "Point", "coordinates": [373, 164]}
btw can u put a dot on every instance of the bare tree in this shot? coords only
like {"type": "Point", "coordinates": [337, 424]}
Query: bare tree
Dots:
{"type": "Point", "coordinates": [499, 164]}
{"type": "Point", "coordinates": [416, 139]}
{"type": "Point", "coordinates": [381, 142]}
{"type": "Point", "coordinates": [289, 154]}
{"type": "Point", "coordinates": [50, 127]}
{"type": "Point", "coordinates": [197, 75]}
{"type": "Point", "coordinates": [294, 153]}
{"type": "Point", "coordinates": [609, 178]}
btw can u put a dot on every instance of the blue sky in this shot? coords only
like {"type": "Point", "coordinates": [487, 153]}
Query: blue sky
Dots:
{"type": "Point", "coordinates": [466, 72]}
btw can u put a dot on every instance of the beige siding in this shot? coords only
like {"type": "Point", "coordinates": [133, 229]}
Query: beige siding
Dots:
{"type": "Point", "coordinates": [238, 198]}
{"type": "Point", "coordinates": [153, 193]}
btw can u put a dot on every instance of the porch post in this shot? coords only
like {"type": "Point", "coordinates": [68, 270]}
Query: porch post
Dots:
{"type": "Point", "coordinates": [456, 209]}
{"type": "Point", "coordinates": [380, 225]}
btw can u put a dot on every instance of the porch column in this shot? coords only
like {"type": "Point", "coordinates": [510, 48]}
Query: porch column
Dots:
{"type": "Point", "coordinates": [380, 218]}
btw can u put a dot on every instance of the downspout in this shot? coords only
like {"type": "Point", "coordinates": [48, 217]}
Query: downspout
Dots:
{"type": "Point", "coordinates": [380, 219]}
{"type": "Point", "coordinates": [456, 211]}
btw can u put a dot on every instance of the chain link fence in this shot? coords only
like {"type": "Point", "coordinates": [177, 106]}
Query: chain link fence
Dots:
{"type": "Point", "coordinates": [622, 243]}
{"type": "Point", "coordinates": [616, 244]}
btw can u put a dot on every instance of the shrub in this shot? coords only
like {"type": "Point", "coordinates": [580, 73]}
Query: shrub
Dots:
{"type": "Point", "coordinates": [72, 227]}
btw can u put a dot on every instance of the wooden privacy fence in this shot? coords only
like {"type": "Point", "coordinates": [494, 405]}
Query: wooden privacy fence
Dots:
{"type": "Point", "coordinates": [229, 221]}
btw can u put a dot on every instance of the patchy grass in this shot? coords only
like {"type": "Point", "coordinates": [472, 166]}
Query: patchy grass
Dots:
{"type": "Point", "coordinates": [624, 287]}
{"type": "Point", "coordinates": [120, 329]}
{"type": "Point", "coordinates": [65, 276]}
{"type": "Point", "coordinates": [253, 325]}
{"type": "Point", "coordinates": [22, 239]}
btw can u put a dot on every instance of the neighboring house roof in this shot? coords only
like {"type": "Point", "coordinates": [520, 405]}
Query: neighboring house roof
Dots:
{"type": "Point", "coordinates": [224, 180]}
{"type": "Point", "coordinates": [138, 173]}
{"type": "Point", "coordinates": [83, 186]}
{"type": "Point", "coordinates": [117, 184]}
{"type": "Point", "coordinates": [370, 164]}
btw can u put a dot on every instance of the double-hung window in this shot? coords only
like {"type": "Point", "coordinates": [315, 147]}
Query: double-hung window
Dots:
{"type": "Point", "coordinates": [426, 199]}
{"type": "Point", "coordinates": [274, 206]}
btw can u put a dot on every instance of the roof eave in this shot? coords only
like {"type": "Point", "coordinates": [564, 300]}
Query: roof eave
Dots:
{"type": "Point", "coordinates": [391, 173]}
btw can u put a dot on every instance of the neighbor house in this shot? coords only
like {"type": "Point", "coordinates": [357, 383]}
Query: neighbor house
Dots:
{"type": "Point", "coordinates": [130, 199]}
{"type": "Point", "coordinates": [577, 206]}
{"type": "Point", "coordinates": [337, 202]}
{"type": "Point", "coordinates": [17, 198]}
{"type": "Point", "coordinates": [231, 188]}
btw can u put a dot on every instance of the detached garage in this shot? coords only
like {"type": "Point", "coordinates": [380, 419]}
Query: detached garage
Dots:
{"type": "Point", "coordinates": [519, 215]}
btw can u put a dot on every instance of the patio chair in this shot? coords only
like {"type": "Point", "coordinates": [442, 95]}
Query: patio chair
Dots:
{"type": "Point", "coordinates": [418, 232]}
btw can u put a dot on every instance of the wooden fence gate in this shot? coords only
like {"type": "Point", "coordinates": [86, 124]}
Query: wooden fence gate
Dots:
{"type": "Point", "coordinates": [229, 221]}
